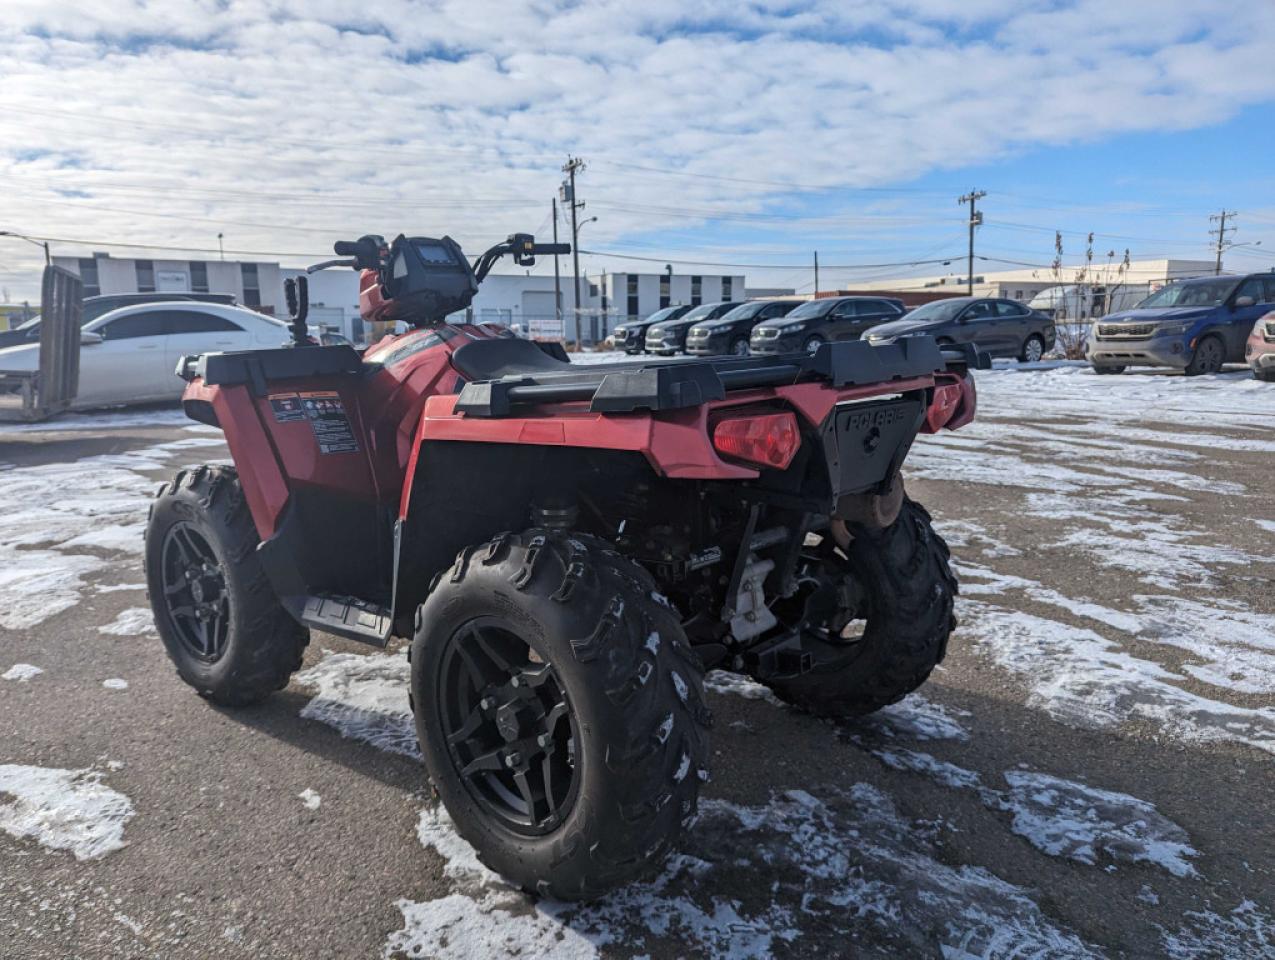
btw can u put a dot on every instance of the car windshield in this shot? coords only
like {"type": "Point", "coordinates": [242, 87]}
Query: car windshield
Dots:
{"type": "Point", "coordinates": [659, 315]}
{"type": "Point", "coordinates": [745, 311]}
{"type": "Point", "coordinates": [700, 312]}
{"type": "Point", "coordinates": [812, 308]}
{"type": "Point", "coordinates": [938, 310]}
{"type": "Point", "coordinates": [1206, 293]}
{"type": "Point", "coordinates": [33, 322]}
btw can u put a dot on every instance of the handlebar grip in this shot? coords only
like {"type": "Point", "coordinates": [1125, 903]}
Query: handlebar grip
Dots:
{"type": "Point", "coordinates": [549, 249]}
{"type": "Point", "coordinates": [345, 248]}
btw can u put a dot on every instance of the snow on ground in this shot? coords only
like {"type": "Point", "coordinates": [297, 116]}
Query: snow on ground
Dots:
{"type": "Point", "coordinates": [310, 799]}
{"type": "Point", "coordinates": [364, 697]}
{"type": "Point", "coordinates": [131, 622]}
{"type": "Point", "coordinates": [94, 421]}
{"type": "Point", "coordinates": [115, 683]}
{"type": "Point", "coordinates": [1082, 678]}
{"type": "Point", "coordinates": [21, 672]}
{"type": "Point", "coordinates": [748, 881]}
{"type": "Point", "coordinates": [1064, 818]}
{"type": "Point", "coordinates": [51, 542]}
{"type": "Point", "coordinates": [63, 809]}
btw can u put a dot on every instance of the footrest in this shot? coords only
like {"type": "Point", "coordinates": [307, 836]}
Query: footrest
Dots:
{"type": "Point", "coordinates": [349, 617]}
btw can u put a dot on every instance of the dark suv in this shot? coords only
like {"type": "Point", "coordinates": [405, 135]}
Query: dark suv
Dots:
{"type": "Point", "coordinates": [669, 336]}
{"type": "Point", "coordinates": [729, 332]}
{"type": "Point", "coordinates": [819, 321]}
{"type": "Point", "coordinates": [1003, 328]}
{"type": "Point", "coordinates": [630, 336]}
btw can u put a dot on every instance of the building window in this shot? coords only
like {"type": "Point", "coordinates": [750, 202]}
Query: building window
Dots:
{"type": "Point", "coordinates": [145, 276]}
{"type": "Point", "coordinates": [726, 284]}
{"type": "Point", "coordinates": [198, 276]}
{"type": "Point", "coordinates": [696, 292]}
{"type": "Point", "coordinates": [251, 286]}
{"type": "Point", "coordinates": [631, 293]}
{"type": "Point", "coordinates": [665, 294]}
{"type": "Point", "coordinates": [88, 277]}
{"type": "Point", "coordinates": [593, 290]}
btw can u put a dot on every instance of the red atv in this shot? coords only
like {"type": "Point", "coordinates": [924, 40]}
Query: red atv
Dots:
{"type": "Point", "coordinates": [568, 546]}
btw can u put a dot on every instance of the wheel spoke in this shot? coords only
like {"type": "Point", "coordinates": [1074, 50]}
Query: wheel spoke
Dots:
{"type": "Point", "coordinates": [468, 728]}
{"type": "Point", "coordinates": [560, 710]}
{"type": "Point", "coordinates": [185, 546]}
{"type": "Point", "coordinates": [185, 610]}
{"type": "Point", "coordinates": [497, 659]}
{"type": "Point", "coordinates": [537, 677]}
{"type": "Point", "coordinates": [484, 761]}
{"type": "Point", "coordinates": [173, 588]}
{"type": "Point", "coordinates": [546, 774]}
{"type": "Point", "coordinates": [528, 796]}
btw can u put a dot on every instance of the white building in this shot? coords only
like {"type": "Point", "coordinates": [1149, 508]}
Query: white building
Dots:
{"type": "Point", "coordinates": [254, 284]}
{"type": "Point", "coordinates": [1100, 284]}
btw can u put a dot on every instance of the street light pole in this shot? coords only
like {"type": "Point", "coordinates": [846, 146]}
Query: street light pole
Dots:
{"type": "Point", "coordinates": [557, 276]}
{"type": "Point", "coordinates": [39, 243]}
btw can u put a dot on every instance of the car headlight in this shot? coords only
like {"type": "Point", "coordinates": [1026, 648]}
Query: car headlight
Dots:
{"type": "Point", "coordinates": [619, 331]}
{"type": "Point", "coordinates": [696, 332]}
{"type": "Point", "coordinates": [1174, 328]}
{"type": "Point", "coordinates": [791, 328]}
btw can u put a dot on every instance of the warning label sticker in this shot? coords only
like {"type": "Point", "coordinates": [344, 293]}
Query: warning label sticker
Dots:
{"type": "Point", "coordinates": [286, 407]}
{"type": "Point", "coordinates": [328, 419]}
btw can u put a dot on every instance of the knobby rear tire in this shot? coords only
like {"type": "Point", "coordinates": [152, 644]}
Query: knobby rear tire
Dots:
{"type": "Point", "coordinates": [635, 688]}
{"type": "Point", "coordinates": [911, 590]}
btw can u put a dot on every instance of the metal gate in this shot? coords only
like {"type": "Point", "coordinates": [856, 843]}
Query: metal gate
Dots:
{"type": "Point", "coordinates": [37, 394]}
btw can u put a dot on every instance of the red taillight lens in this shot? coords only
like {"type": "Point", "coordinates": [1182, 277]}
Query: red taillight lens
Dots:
{"type": "Point", "coordinates": [769, 440]}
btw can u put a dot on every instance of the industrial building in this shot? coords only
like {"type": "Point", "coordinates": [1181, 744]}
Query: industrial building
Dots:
{"type": "Point", "coordinates": [254, 284]}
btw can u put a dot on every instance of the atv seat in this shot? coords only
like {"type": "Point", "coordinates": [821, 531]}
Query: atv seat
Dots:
{"type": "Point", "coordinates": [492, 359]}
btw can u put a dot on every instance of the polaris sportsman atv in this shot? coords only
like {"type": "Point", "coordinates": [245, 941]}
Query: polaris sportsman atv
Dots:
{"type": "Point", "coordinates": [568, 546]}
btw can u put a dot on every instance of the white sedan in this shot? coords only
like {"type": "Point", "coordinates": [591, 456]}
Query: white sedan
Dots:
{"type": "Point", "coordinates": [129, 355]}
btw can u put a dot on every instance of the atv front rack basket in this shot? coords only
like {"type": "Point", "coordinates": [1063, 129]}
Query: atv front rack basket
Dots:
{"type": "Point", "coordinates": [524, 375]}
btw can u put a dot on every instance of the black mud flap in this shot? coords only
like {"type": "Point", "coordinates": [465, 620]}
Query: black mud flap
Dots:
{"type": "Point", "coordinates": [865, 443]}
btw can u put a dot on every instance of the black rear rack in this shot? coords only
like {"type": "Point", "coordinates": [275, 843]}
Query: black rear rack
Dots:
{"type": "Point", "coordinates": [674, 384]}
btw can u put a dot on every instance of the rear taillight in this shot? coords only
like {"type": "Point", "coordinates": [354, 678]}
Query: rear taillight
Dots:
{"type": "Point", "coordinates": [769, 440]}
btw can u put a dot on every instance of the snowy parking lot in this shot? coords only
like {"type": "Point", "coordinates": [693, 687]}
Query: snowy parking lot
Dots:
{"type": "Point", "coordinates": [1089, 774]}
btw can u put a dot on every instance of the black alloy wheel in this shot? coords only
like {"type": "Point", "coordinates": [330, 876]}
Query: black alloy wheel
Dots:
{"type": "Point", "coordinates": [195, 594]}
{"type": "Point", "coordinates": [508, 726]}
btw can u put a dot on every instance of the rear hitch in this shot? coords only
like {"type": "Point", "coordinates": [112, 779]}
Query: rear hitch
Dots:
{"type": "Point", "coordinates": [782, 657]}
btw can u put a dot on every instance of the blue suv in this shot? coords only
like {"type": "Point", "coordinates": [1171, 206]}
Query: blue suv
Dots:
{"type": "Point", "coordinates": [1194, 325]}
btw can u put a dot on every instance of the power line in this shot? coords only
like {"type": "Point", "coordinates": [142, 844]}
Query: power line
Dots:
{"type": "Point", "coordinates": [762, 266]}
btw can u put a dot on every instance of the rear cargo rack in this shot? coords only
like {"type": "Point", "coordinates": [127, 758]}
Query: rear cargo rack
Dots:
{"type": "Point", "coordinates": [675, 384]}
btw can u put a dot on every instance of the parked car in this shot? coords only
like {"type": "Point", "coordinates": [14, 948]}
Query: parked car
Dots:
{"type": "Point", "coordinates": [1003, 328]}
{"type": "Point", "coordinates": [818, 321]}
{"type": "Point", "coordinates": [26, 332]}
{"type": "Point", "coordinates": [93, 307]}
{"type": "Point", "coordinates": [729, 333]}
{"type": "Point", "coordinates": [1193, 325]}
{"type": "Point", "coordinates": [669, 336]}
{"type": "Point", "coordinates": [630, 336]}
{"type": "Point", "coordinates": [129, 355]}
{"type": "Point", "coordinates": [1260, 349]}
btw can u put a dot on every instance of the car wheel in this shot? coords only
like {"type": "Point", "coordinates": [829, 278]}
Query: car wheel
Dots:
{"type": "Point", "coordinates": [739, 348]}
{"type": "Point", "coordinates": [1267, 375]}
{"type": "Point", "coordinates": [812, 344]}
{"type": "Point", "coordinates": [1033, 349]}
{"type": "Point", "coordinates": [1209, 357]}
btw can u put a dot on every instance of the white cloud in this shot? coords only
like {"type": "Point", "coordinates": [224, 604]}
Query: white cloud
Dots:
{"type": "Point", "coordinates": [286, 124]}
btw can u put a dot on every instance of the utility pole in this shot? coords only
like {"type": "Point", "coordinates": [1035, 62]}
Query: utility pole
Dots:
{"type": "Point", "coordinates": [1221, 232]}
{"type": "Point", "coordinates": [976, 219]}
{"type": "Point", "coordinates": [557, 278]}
{"type": "Point", "coordinates": [570, 168]}
{"type": "Point", "coordinates": [816, 273]}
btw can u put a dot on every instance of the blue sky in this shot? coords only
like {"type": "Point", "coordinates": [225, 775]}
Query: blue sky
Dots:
{"type": "Point", "coordinates": [717, 131]}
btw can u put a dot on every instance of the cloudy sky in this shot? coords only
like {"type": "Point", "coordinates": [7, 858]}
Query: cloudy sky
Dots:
{"type": "Point", "coordinates": [713, 132]}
